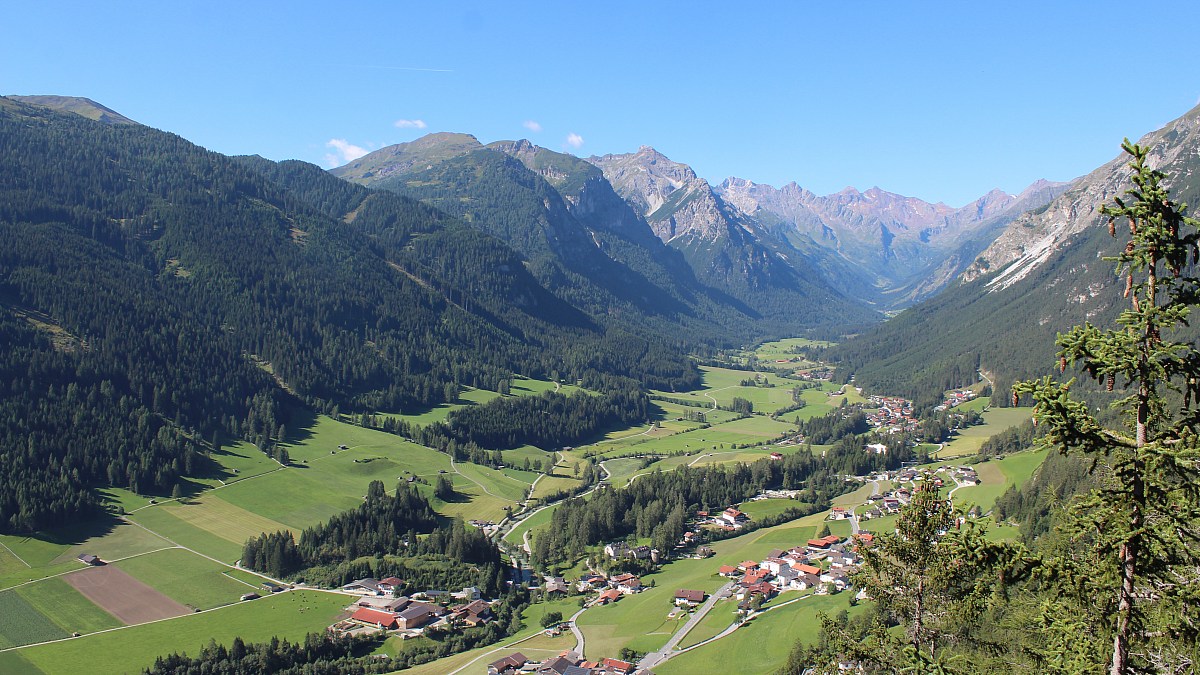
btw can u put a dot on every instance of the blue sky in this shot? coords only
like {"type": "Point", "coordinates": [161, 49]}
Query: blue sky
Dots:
{"type": "Point", "coordinates": [942, 101]}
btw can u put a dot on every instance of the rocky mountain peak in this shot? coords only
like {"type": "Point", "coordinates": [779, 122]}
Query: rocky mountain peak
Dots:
{"type": "Point", "coordinates": [1032, 240]}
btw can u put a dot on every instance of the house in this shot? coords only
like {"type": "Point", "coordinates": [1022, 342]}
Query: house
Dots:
{"type": "Point", "coordinates": [89, 559]}
{"type": "Point", "coordinates": [417, 614]}
{"type": "Point", "coordinates": [689, 598]}
{"type": "Point", "coordinates": [836, 577]}
{"type": "Point", "coordinates": [468, 593]}
{"type": "Point", "coordinates": [556, 585]}
{"type": "Point", "coordinates": [785, 578]}
{"type": "Point", "coordinates": [627, 583]}
{"type": "Point", "coordinates": [390, 585]}
{"type": "Point", "coordinates": [474, 613]}
{"type": "Point", "coordinates": [733, 517]}
{"type": "Point", "coordinates": [250, 596]}
{"type": "Point", "coordinates": [615, 666]}
{"type": "Point", "coordinates": [608, 595]}
{"type": "Point", "coordinates": [773, 564]}
{"type": "Point", "coordinates": [271, 587]}
{"type": "Point", "coordinates": [838, 513]}
{"type": "Point", "coordinates": [805, 582]}
{"type": "Point", "coordinates": [705, 552]}
{"type": "Point", "coordinates": [374, 617]}
{"type": "Point", "coordinates": [385, 603]}
{"type": "Point", "coordinates": [877, 448]}
{"type": "Point", "coordinates": [555, 666]}
{"type": "Point", "coordinates": [590, 581]}
{"type": "Point", "coordinates": [776, 456]}
{"type": "Point", "coordinates": [364, 586]}
{"type": "Point", "coordinates": [509, 664]}
{"type": "Point", "coordinates": [748, 565]}
{"type": "Point", "coordinates": [807, 569]}
{"type": "Point", "coordinates": [728, 571]}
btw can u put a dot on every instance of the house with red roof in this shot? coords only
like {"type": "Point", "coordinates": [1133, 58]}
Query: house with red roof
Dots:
{"type": "Point", "coordinates": [615, 666]}
{"type": "Point", "coordinates": [374, 617]}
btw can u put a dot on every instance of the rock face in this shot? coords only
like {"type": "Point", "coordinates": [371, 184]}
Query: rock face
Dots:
{"type": "Point", "coordinates": [1031, 240]}
{"type": "Point", "coordinates": [673, 199]}
{"type": "Point", "coordinates": [886, 248]}
{"type": "Point", "coordinates": [908, 247]}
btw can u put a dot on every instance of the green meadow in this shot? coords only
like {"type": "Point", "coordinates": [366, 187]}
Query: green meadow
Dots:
{"type": "Point", "coordinates": [288, 615]}
{"type": "Point", "coordinates": [186, 578]}
{"type": "Point", "coordinates": [966, 442]}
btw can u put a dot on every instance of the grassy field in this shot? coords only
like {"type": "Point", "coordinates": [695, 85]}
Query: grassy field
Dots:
{"type": "Point", "coordinates": [286, 615]}
{"type": "Point", "coordinates": [782, 349]}
{"type": "Point", "coordinates": [66, 607]}
{"type": "Point", "coordinates": [186, 578]}
{"type": "Point", "coordinates": [997, 476]}
{"type": "Point", "coordinates": [762, 645]}
{"type": "Point", "coordinates": [760, 508]}
{"type": "Point", "coordinates": [164, 523]}
{"type": "Point", "coordinates": [967, 442]}
{"type": "Point", "coordinates": [718, 619]}
{"type": "Point", "coordinates": [21, 623]}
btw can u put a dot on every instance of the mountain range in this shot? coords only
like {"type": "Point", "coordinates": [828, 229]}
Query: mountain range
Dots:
{"type": "Point", "coordinates": [1044, 272]}
{"type": "Point", "coordinates": [192, 297]}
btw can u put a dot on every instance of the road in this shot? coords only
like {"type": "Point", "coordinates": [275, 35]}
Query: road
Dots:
{"type": "Point", "coordinates": [654, 658]}
{"type": "Point", "coordinates": [513, 524]}
{"type": "Point", "coordinates": [578, 633]}
{"type": "Point", "coordinates": [854, 517]}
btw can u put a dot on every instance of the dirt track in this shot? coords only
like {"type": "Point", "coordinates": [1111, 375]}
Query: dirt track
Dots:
{"type": "Point", "coordinates": [124, 597]}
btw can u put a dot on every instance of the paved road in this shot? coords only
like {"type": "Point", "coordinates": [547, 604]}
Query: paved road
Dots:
{"type": "Point", "coordinates": [654, 658]}
{"type": "Point", "coordinates": [578, 633]}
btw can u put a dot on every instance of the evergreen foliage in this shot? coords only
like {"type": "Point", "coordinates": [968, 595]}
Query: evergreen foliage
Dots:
{"type": "Point", "coordinates": [1142, 523]}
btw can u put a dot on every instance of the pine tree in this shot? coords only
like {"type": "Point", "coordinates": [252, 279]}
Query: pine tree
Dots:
{"type": "Point", "coordinates": [1143, 523]}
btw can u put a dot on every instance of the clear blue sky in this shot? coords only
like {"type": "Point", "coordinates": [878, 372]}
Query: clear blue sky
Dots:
{"type": "Point", "coordinates": [942, 101]}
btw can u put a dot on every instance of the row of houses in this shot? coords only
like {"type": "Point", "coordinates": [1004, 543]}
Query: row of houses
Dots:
{"type": "Point", "coordinates": [566, 663]}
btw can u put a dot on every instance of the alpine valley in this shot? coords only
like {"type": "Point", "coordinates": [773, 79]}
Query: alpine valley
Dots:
{"type": "Point", "coordinates": [457, 407]}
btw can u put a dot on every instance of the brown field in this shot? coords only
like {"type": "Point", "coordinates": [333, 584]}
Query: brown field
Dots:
{"type": "Point", "coordinates": [124, 597]}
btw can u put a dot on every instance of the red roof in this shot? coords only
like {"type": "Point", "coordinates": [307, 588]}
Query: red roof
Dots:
{"type": "Point", "coordinates": [614, 664]}
{"type": "Point", "coordinates": [726, 569]}
{"type": "Point", "coordinates": [610, 594]}
{"type": "Point", "coordinates": [748, 565]}
{"type": "Point", "coordinates": [690, 596]}
{"type": "Point", "coordinates": [807, 569]}
{"type": "Point", "coordinates": [374, 616]}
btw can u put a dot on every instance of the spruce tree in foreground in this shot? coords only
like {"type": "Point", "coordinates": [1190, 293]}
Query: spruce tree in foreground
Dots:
{"type": "Point", "coordinates": [1143, 524]}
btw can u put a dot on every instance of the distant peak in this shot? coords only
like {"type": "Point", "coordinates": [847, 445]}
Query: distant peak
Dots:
{"type": "Point", "coordinates": [79, 105]}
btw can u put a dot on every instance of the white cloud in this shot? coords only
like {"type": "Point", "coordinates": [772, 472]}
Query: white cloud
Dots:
{"type": "Point", "coordinates": [574, 140]}
{"type": "Point", "coordinates": [532, 126]}
{"type": "Point", "coordinates": [343, 152]}
{"type": "Point", "coordinates": [411, 124]}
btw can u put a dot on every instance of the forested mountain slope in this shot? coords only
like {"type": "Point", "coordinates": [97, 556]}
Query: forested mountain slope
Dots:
{"type": "Point", "coordinates": [155, 297]}
{"type": "Point", "coordinates": [1043, 275]}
